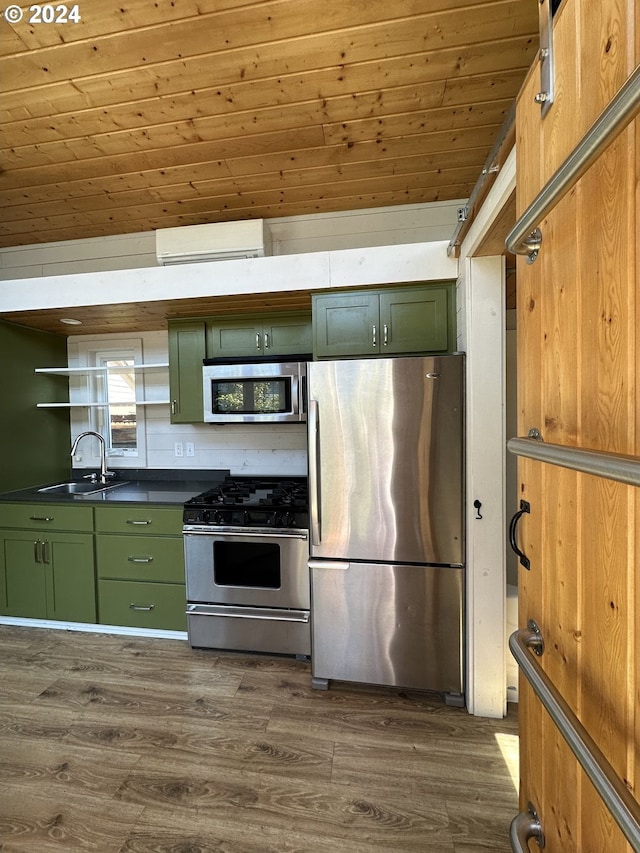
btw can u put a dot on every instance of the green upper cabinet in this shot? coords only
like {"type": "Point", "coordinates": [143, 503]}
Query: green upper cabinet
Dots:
{"type": "Point", "coordinates": [245, 337]}
{"type": "Point", "coordinates": [385, 322]}
{"type": "Point", "coordinates": [345, 323]}
{"type": "Point", "coordinates": [187, 348]}
{"type": "Point", "coordinates": [259, 336]}
{"type": "Point", "coordinates": [240, 336]}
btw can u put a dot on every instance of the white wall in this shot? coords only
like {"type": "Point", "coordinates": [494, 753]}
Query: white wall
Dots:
{"type": "Point", "coordinates": [252, 449]}
{"type": "Point", "coordinates": [482, 336]}
{"type": "Point", "coordinates": [354, 229]}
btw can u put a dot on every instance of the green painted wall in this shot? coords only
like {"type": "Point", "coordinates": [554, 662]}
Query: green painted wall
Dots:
{"type": "Point", "coordinates": [34, 443]}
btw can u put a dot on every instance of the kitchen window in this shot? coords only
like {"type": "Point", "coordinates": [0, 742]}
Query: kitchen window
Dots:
{"type": "Point", "coordinates": [107, 395]}
{"type": "Point", "coordinates": [120, 415]}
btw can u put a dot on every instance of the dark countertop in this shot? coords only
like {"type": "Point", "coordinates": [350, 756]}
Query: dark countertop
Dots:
{"type": "Point", "coordinates": [137, 486]}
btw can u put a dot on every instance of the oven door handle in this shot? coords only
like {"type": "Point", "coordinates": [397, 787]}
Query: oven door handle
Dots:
{"type": "Point", "coordinates": [243, 534]}
{"type": "Point", "coordinates": [314, 473]}
{"type": "Point", "coordinates": [248, 612]}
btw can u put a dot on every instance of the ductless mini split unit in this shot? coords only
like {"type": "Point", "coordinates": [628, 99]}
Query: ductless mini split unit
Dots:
{"type": "Point", "coordinates": [218, 241]}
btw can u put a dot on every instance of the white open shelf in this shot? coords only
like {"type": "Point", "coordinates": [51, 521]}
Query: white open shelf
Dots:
{"type": "Point", "coordinates": [97, 405]}
{"type": "Point", "coordinates": [68, 371]}
{"type": "Point", "coordinates": [78, 371]}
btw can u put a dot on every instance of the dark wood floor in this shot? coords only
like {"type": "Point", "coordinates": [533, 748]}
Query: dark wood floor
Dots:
{"type": "Point", "coordinates": [116, 744]}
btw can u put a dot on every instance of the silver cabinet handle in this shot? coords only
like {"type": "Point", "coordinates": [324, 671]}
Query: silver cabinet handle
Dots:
{"type": "Point", "coordinates": [135, 521]}
{"type": "Point", "coordinates": [257, 340]}
{"type": "Point", "coordinates": [145, 607]}
{"type": "Point", "coordinates": [385, 335]}
{"type": "Point", "coordinates": [36, 551]}
{"type": "Point", "coordinates": [173, 407]}
{"type": "Point", "coordinates": [41, 518]}
{"type": "Point", "coordinates": [132, 559]}
{"type": "Point", "coordinates": [266, 340]}
{"type": "Point", "coordinates": [46, 552]}
{"type": "Point", "coordinates": [373, 335]}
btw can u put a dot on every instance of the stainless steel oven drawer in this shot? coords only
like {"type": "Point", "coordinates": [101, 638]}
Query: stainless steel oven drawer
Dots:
{"type": "Point", "coordinates": [250, 629]}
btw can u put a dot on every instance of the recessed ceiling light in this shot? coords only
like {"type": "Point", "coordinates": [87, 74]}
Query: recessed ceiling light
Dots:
{"type": "Point", "coordinates": [70, 321]}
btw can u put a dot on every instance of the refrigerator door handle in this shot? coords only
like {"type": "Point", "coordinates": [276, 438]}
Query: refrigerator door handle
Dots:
{"type": "Point", "coordinates": [343, 565]}
{"type": "Point", "coordinates": [314, 457]}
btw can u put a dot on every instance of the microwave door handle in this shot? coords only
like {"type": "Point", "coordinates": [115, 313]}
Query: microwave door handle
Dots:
{"type": "Point", "coordinates": [295, 394]}
{"type": "Point", "coordinates": [314, 472]}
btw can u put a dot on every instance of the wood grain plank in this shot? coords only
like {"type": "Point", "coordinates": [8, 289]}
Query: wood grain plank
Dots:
{"type": "Point", "coordinates": [276, 183]}
{"type": "Point", "coordinates": [56, 769]}
{"type": "Point", "coordinates": [211, 207]}
{"type": "Point", "coordinates": [299, 208]}
{"type": "Point", "coordinates": [268, 167]}
{"type": "Point", "coordinates": [66, 822]}
{"type": "Point", "coordinates": [225, 98]}
{"type": "Point", "coordinates": [263, 23]}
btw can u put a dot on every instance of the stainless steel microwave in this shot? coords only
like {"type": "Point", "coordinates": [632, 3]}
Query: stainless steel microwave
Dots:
{"type": "Point", "coordinates": [262, 392]}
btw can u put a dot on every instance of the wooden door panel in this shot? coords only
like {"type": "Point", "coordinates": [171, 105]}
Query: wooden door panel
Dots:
{"type": "Point", "coordinates": [578, 316]}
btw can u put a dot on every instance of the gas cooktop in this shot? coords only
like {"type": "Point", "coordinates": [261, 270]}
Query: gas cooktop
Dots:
{"type": "Point", "coordinates": [279, 502]}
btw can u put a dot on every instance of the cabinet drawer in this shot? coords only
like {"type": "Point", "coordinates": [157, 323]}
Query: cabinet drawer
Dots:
{"type": "Point", "coordinates": [139, 519]}
{"type": "Point", "coordinates": [142, 558]}
{"type": "Point", "coordinates": [142, 605]}
{"type": "Point", "coordinates": [44, 517]}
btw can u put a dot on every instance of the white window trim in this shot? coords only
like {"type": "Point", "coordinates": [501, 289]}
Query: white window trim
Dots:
{"type": "Point", "coordinates": [91, 353]}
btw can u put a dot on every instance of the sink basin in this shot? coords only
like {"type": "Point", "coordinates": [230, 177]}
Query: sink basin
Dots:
{"type": "Point", "coordinates": [82, 487]}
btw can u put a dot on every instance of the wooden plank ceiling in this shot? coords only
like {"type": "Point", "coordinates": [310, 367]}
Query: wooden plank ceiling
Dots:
{"type": "Point", "coordinates": [147, 115]}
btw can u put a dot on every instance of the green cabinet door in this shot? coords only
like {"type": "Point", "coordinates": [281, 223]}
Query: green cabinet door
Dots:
{"type": "Point", "coordinates": [235, 337]}
{"type": "Point", "coordinates": [288, 335]}
{"type": "Point", "coordinates": [143, 605]}
{"type": "Point", "coordinates": [384, 322]}
{"type": "Point", "coordinates": [48, 575]}
{"type": "Point", "coordinates": [187, 348]}
{"type": "Point", "coordinates": [71, 586]}
{"type": "Point", "coordinates": [257, 336]}
{"type": "Point", "coordinates": [345, 324]}
{"type": "Point", "coordinates": [23, 590]}
{"type": "Point", "coordinates": [414, 320]}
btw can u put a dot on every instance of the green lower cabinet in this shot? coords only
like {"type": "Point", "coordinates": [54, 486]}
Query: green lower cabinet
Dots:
{"type": "Point", "coordinates": [141, 558]}
{"type": "Point", "coordinates": [143, 605]}
{"type": "Point", "coordinates": [47, 575]}
{"type": "Point", "coordinates": [141, 575]}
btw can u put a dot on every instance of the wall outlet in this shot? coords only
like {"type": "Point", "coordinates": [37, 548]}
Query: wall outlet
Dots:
{"type": "Point", "coordinates": [190, 449]}
{"type": "Point", "coordinates": [178, 448]}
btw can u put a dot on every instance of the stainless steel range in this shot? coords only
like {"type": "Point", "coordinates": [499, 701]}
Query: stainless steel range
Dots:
{"type": "Point", "coordinates": [246, 550]}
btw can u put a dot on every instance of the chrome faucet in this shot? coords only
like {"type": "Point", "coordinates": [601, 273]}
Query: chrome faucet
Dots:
{"type": "Point", "coordinates": [104, 474]}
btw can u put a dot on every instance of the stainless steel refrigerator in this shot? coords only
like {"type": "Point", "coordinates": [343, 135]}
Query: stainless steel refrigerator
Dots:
{"type": "Point", "coordinates": [386, 488]}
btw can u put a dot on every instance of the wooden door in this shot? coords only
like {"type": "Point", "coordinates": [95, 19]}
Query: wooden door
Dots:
{"type": "Point", "coordinates": [578, 375]}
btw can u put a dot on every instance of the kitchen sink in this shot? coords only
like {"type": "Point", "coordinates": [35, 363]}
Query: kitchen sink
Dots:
{"type": "Point", "coordinates": [79, 488]}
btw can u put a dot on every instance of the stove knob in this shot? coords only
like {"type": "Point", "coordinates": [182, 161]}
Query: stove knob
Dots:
{"type": "Point", "coordinates": [218, 518]}
{"type": "Point", "coordinates": [246, 518]}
